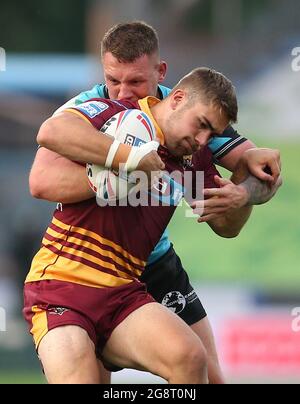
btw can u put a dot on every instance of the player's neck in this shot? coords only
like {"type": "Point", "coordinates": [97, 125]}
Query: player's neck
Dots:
{"type": "Point", "coordinates": [158, 111]}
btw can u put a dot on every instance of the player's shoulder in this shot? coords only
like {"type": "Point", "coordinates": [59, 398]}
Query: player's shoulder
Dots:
{"type": "Point", "coordinates": [98, 91]}
{"type": "Point", "coordinates": [97, 110]}
{"type": "Point", "coordinates": [104, 103]}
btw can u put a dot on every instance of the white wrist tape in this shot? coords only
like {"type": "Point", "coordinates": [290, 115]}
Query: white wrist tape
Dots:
{"type": "Point", "coordinates": [111, 153]}
{"type": "Point", "coordinates": [138, 153]}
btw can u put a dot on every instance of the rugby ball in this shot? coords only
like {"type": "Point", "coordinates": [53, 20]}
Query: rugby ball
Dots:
{"type": "Point", "coordinates": [132, 127]}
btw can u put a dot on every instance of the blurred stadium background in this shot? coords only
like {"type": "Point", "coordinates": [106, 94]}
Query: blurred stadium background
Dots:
{"type": "Point", "coordinates": [249, 285]}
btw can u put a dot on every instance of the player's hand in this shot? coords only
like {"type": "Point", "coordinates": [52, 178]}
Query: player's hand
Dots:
{"type": "Point", "coordinates": [220, 200]}
{"type": "Point", "coordinates": [263, 163]}
{"type": "Point", "coordinates": [151, 162]}
{"type": "Point", "coordinates": [144, 165]}
{"type": "Point", "coordinates": [138, 155]}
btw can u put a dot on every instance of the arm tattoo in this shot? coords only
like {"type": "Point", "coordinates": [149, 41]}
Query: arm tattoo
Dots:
{"type": "Point", "coordinates": [259, 191]}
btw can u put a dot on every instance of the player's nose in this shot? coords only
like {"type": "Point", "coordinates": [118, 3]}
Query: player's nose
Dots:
{"type": "Point", "coordinates": [126, 93]}
{"type": "Point", "coordinates": [203, 137]}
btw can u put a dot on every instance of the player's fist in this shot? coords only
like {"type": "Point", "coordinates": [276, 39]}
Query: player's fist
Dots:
{"type": "Point", "coordinates": [263, 163]}
{"type": "Point", "coordinates": [138, 155]}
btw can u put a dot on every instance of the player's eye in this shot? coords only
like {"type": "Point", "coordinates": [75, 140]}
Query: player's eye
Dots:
{"type": "Point", "coordinates": [202, 125]}
{"type": "Point", "coordinates": [114, 81]}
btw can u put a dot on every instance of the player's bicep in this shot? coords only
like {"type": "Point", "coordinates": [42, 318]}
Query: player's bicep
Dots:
{"type": "Point", "coordinates": [224, 144]}
{"type": "Point", "coordinates": [230, 160]}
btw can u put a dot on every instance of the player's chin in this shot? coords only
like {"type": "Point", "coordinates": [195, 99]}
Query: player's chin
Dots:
{"type": "Point", "coordinates": [187, 150]}
{"type": "Point", "coordinates": [178, 151]}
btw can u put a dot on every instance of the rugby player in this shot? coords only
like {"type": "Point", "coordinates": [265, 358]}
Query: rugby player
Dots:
{"type": "Point", "coordinates": [83, 299]}
{"type": "Point", "coordinates": [132, 70]}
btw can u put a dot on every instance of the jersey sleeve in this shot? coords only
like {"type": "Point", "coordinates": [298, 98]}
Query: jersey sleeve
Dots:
{"type": "Point", "coordinates": [222, 144]}
{"type": "Point", "coordinates": [100, 110]}
{"type": "Point", "coordinates": [97, 112]}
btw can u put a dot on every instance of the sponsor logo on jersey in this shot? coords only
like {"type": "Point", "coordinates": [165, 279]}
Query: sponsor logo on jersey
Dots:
{"type": "Point", "coordinates": [174, 301]}
{"type": "Point", "coordinates": [93, 108]}
{"type": "Point", "coordinates": [58, 310]}
{"type": "Point", "coordinates": [133, 141]}
{"type": "Point", "coordinates": [187, 161]}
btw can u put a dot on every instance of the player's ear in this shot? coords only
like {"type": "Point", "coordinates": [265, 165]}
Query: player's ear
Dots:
{"type": "Point", "coordinates": [162, 71]}
{"type": "Point", "coordinates": [177, 97]}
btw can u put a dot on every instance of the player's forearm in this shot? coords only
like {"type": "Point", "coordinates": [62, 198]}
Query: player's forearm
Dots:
{"type": "Point", "coordinates": [231, 223]}
{"type": "Point", "coordinates": [71, 136]}
{"type": "Point", "coordinates": [56, 179]}
{"type": "Point", "coordinates": [259, 191]}
{"type": "Point", "coordinates": [258, 171]}
{"type": "Point", "coordinates": [74, 138]}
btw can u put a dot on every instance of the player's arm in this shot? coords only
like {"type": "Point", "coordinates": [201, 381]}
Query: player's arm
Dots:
{"type": "Point", "coordinates": [57, 179]}
{"type": "Point", "coordinates": [249, 190]}
{"type": "Point", "coordinates": [75, 137]}
{"type": "Point", "coordinates": [232, 157]}
{"type": "Point", "coordinates": [266, 161]}
{"type": "Point", "coordinates": [258, 162]}
{"type": "Point", "coordinates": [228, 149]}
{"type": "Point", "coordinates": [230, 224]}
{"type": "Point", "coordinates": [224, 221]}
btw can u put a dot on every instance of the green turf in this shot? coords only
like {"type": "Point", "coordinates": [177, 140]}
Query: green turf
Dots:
{"type": "Point", "coordinates": [266, 253]}
{"type": "Point", "coordinates": [18, 377]}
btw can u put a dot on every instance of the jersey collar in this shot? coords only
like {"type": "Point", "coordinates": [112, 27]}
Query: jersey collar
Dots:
{"type": "Point", "coordinates": [145, 105]}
